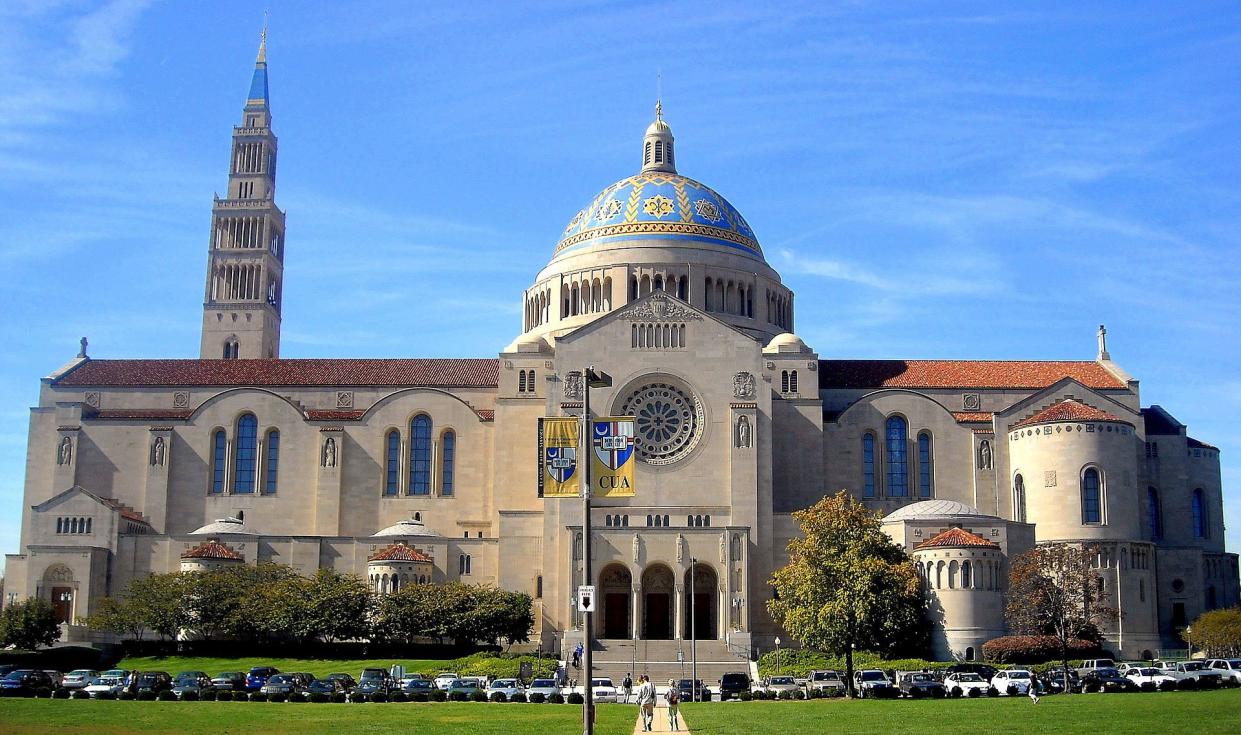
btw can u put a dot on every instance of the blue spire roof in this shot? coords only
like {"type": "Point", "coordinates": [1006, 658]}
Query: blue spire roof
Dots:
{"type": "Point", "coordinates": [258, 85]}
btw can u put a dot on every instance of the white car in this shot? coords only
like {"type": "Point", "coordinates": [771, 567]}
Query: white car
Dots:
{"type": "Point", "coordinates": [1012, 681]}
{"type": "Point", "coordinates": [603, 690]}
{"type": "Point", "coordinates": [78, 678]}
{"type": "Point", "coordinates": [777, 684]}
{"type": "Point", "coordinates": [1149, 677]}
{"type": "Point", "coordinates": [1191, 670]}
{"type": "Point", "coordinates": [1228, 668]}
{"type": "Point", "coordinates": [507, 687]}
{"type": "Point", "coordinates": [962, 683]}
{"type": "Point", "coordinates": [444, 679]}
{"type": "Point", "coordinates": [113, 684]}
{"type": "Point", "coordinates": [825, 681]}
{"type": "Point", "coordinates": [546, 687]}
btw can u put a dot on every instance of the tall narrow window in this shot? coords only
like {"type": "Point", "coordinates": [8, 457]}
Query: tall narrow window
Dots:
{"type": "Point", "coordinates": [1019, 499]}
{"type": "Point", "coordinates": [1092, 509]}
{"type": "Point", "coordinates": [448, 457]}
{"type": "Point", "coordinates": [521, 381]}
{"type": "Point", "coordinates": [1154, 514]}
{"type": "Point", "coordinates": [246, 454]}
{"type": "Point", "coordinates": [898, 461]}
{"type": "Point", "coordinates": [784, 381]}
{"type": "Point", "coordinates": [219, 452]}
{"type": "Point", "coordinates": [925, 484]}
{"type": "Point", "coordinates": [868, 465]}
{"type": "Point", "coordinates": [273, 462]}
{"type": "Point", "coordinates": [420, 455]}
{"type": "Point", "coordinates": [392, 472]}
{"type": "Point", "coordinates": [1199, 514]}
{"type": "Point", "coordinates": [792, 381]}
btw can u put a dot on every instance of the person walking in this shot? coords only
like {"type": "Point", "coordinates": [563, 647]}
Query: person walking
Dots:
{"type": "Point", "coordinates": [1032, 690]}
{"type": "Point", "coordinates": [627, 687]}
{"type": "Point", "coordinates": [672, 698]}
{"type": "Point", "coordinates": [577, 656]}
{"type": "Point", "coordinates": [646, 702]}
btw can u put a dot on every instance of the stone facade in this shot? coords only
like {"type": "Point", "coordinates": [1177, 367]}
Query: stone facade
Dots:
{"type": "Point", "coordinates": [659, 282]}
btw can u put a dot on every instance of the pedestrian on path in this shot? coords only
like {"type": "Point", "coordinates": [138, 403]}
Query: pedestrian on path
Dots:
{"type": "Point", "coordinates": [646, 701]}
{"type": "Point", "coordinates": [673, 698]}
{"type": "Point", "coordinates": [627, 687]}
{"type": "Point", "coordinates": [1033, 690]}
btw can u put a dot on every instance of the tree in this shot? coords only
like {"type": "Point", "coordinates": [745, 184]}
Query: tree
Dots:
{"type": "Point", "coordinates": [339, 607]}
{"type": "Point", "coordinates": [159, 601]}
{"type": "Point", "coordinates": [1053, 590]}
{"type": "Point", "coordinates": [1217, 632]}
{"type": "Point", "coordinates": [119, 617]}
{"type": "Point", "coordinates": [847, 586]}
{"type": "Point", "coordinates": [29, 624]}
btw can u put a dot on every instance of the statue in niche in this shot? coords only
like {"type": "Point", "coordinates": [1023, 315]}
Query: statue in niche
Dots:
{"type": "Point", "coordinates": [723, 547]}
{"type": "Point", "coordinates": [743, 431]}
{"type": "Point", "coordinates": [743, 385]}
{"type": "Point", "coordinates": [64, 453]}
{"type": "Point", "coordinates": [680, 548]}
{"type": "Point", "coordinates": [329, 452]}
{"type": "Point", "coordinates": [984, 455]}
{"type": "Point", "coordinates": [736, 548]}
{"type": "Point", "coordinates": [157, 452]}
{"type": "Point", "coordinates": [637, 548]}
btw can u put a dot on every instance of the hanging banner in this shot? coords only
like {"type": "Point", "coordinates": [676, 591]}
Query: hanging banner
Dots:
{"type": "Point", "coordinates": [558, 471]}
{"type": "Point", "coordinates": [612, 457]}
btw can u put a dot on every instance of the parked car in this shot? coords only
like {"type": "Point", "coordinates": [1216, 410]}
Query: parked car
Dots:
{"type": "Point", "coordinates": [290, 685]}
{"type": "Point", "coordinates": [1229, 669]}
{"type": "Point", "coordinates": [1053, 680]}
{"type": "Point", "coordinates": [920, 684]}
{"type": "Point", "coordinates": [325, 686]}
{"type": "Point", "coordinates": [444, 679]}
{"type": "Point", "coordinates": [733, 684]}
{"type": "Point", "coordinates": [26, 679]}
{"type": "Point", "coordinates": [374, 681]}
{"type": "Point", "coordinates": [985, 671]}
{"type": "Point", "coordinates": [825, 681]}
{"type": "Point", "coordinates": [773, 685]}
{"type": "Point", "coordinates": [104, 683]}
{"type": "Point", "coordinates": [966, 684]}
{"type": "Point", "coordinates": [873, 683]}
{"type": "Point", "coordinates": [150, 681]}
{"type": "Point", "coordinates": [7, 669]}
{"type": "Point", "coordinates": [345, 679]}
{"type": "Point", "coordinates": [258, 677]}
{"type": "Point", "coordinates": [414, 686]}
{"type": "Point", "coordinates": [57, 677]}
{"type": "Point", "coordinates": [1190, 673]}
{"type": "Point", "coordinates": [1149, 678]}
{"type": "Point", "coordinates": [507, 687]}
{"type": "Point", "coordinates": [685, 689]}
{"type": "Point", "coordinates": [1091, 664]}
{"type": "Point", "coordinates": [78, 678]}
{"type": "Point", "coordinates": [546, 687]}
{"type": "Point", "coordinates": [1013, 681]}
{"type": "Point", "coordinates": [464, 686]}
{"type": "Point", "coordinates": [411, 676]}
{"type": "Point", "coordinates": [190, 681]}
{"type": "Point", "coordinates": [229, 681]}
{"type": "Point", "coordinates": [123, 673]}
{"type": "Point", "coordinates": [603, 690]}
{"type": "Point", "coordinates": [1106, 680]}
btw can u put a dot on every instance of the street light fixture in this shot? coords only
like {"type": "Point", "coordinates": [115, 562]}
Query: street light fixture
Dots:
{"type": "Point", "coordinates": [592, 379]}
{"type": "Point", "coordinates": [777, 654]}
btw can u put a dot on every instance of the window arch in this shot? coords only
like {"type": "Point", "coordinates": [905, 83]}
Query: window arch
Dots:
{"type": "Point", "coordinates": [792, 381]}
{"type": "Point", "coordinates": [246, 454]}
{"type": "Point", "coordinates": [1199, 509]}
{"type": "Point", "coordinates": [1092, 497]}
{"type": "Point", "coordinates": [219, 457]}
{"type": "Point", "coordinates": [521, 381]}
{"type": "Point", "coordinates": [448, 462]}
{"type": "Point", "coordinates": [1019, 499]}
{"type": "Point", "coordinates": [926, 487]}
{"type": "Point", "coordinates": [784, 381]}
{"type": "Point", "coordinates": [270, 482]}
{"type": "Point", "coordinates": [1154, 513]}
{"type": "Point", "coordinates": [965, 575]}
{"type": "Point", "coordinates": [392, 469]}
{"type": "Point", "coordinates": [420, 455]}
{"type": "Point", "coordinates": [231, 348]}
{"type": "Point", "coordinates": [868, 465]}
{"type": "Point", "coordinates": [897, 431]}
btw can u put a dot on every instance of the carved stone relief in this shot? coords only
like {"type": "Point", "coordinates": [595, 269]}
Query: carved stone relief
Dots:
{"type": "Point", "coordinates": [573, 385]}
{"type": "Point", "coordinates": [743, 385]}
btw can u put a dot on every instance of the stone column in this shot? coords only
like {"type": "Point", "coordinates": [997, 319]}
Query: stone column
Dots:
{"type": "Point", "coordinates": [636, 621]}
{"type": "Point", "coordinates": [678, 619]}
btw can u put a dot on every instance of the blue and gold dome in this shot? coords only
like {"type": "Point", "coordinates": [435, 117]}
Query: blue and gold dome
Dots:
{"type": "Point", "coordinates": [659, 204]}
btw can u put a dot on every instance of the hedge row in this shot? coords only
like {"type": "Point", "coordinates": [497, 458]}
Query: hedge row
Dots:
{"type": "Point", "coordinates": [801, 662]}
{"type": "Point", "coordinates": [316, 697]}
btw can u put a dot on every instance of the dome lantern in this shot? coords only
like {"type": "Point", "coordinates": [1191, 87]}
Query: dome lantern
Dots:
{"type": "Point", "coordinates": [657, 154]}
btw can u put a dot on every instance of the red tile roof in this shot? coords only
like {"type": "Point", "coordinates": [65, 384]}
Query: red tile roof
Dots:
{"type": "Point", "coordinates": [1013, 374]}
{"type": "Point", "coordinates": [399, 552]}
{"type": "Point", "coordinates": [212, 549]}
{"type": "Point", "coordinates": [434, 373]}
{"type": "Point", "coordinates": [972, 417]}
{"type": "Point", "coordinates": [486, 414]}
{"type": "Point", "coordinates": [1069, 410]}
{"type": "Point", "coordinates": [125, 511]}
{"type": "Point", "coordinates": [956, 537]}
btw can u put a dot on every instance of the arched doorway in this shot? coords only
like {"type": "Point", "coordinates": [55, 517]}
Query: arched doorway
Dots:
{"type": "Point", "coordinates": [615, 587]}
{"type": "Point", "coordinates": [700, 602]}
{"type": "Point", "coordinates": [61, 589]}
{"type": "Point", "coordinates": [657, 590]}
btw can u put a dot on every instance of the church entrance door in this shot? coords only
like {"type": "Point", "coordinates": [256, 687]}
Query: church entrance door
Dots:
{"type": "Point", "coordinates": [702, 615]}
{"type": "Point", "coordinates": [62, 604]}
{"type": "Point", "coordinates": [657, 614]}
{"type": "Point", "coordinates": [658, 587]}
{"type": "Point", "coordinates": [615, 588]}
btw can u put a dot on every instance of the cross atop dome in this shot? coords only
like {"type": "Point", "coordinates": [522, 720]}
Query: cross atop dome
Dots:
{"type": "Point", "coordinates": [657, 154]}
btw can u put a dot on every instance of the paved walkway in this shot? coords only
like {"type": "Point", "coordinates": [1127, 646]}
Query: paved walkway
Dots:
{"type": "Point", "coordinates": [661, 720]}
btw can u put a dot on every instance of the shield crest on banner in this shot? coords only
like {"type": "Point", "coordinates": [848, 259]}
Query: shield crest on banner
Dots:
{"type": "Point", "coordinates": [613, 442]}
{"type": "Point", "coordinates": [561, 463]}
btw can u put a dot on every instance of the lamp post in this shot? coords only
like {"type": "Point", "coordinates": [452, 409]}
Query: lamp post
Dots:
{"type": "Point", "coordinates": [693, 630]}
{"type": "Point", "coordinates": [777, 654]}
{"type": "Point", "coordinates": [591, 379]}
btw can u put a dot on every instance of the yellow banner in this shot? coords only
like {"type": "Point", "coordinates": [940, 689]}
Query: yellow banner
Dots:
{"type": "Point", "coordinates": [612, 456]}
{"type": "Point", "coordinates": [558, 467]}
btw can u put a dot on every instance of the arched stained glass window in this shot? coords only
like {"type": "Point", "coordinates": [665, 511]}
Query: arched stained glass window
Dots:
{"type": "Point", "coordinates": [448, 462]}
{"type": "Point", "coordinates": [1200, 514]}
{"type": "Point", "coordinates": [273, 462]}
{"type": "Point", "coordinates": [219, 455]}
{"type": "Point", "coordinates": [897, 456]}
{"type": "Point", "coordinates": [868, 465]}
{"type": "Point", "coordinates": [925, 484]}
{"type": "Point", "coordinates": [246, 454]}
{"type": "Point", "coordinates": [1019, 499]}
{"type": "Point", "coordinates": [392, 472]}
{"type": "Point", "coordinates": [420, 455]}
{"type": "Point", "coordinates": [1154, 514]}
{"type": "Point", "coordinates": [1092, 508]}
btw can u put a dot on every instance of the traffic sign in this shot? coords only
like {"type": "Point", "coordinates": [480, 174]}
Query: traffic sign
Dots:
{"type": "Point", "coordinates": [586, 598]}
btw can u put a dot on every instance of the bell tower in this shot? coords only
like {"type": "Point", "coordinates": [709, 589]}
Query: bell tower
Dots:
{"type": "Point", "coordinates": [245, 262]}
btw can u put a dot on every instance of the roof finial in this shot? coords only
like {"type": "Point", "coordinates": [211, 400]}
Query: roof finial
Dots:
{"type": "Point", "coordinates": [262, 58]}
{"type": "Point", "coordinates": [1103, 354]}
{"type": "Point", "coordinates": [82, 352]}
{"type": "Point", "coordinates": [659, 93]}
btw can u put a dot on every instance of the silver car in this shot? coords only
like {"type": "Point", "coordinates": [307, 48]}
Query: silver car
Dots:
{"type": "Point", "coordinates": [78, 678]}
{"type": "Point", "coordinates": [507, 687]}
{"type": "Point", "coordinates": [546, 687]}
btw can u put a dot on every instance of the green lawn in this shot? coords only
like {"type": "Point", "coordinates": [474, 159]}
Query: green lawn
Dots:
{"type": "Point", "coordinates": [1200, 713]}
{"type": "Point", "coordinates": [63, 716]}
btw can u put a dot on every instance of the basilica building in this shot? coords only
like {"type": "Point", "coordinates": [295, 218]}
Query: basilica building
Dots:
{"type": "Point", "coordinates": [424, 469]}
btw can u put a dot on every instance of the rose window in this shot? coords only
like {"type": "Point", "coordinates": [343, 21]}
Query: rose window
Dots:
{"type": "Point", "coordinates": [667, 422]}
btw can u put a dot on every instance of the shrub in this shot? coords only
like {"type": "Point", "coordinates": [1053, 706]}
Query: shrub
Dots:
{"type": "Point", "coordinates": [208, 695]}
{"type": "Point", "coordinates": [1030, 649]}
{"type": "Point", "coordinates": [379, 697]}
{"type": "Point", "coordinates": [419, 697]}
{"type": "Point", "coordinates": [300, 697]}
{"type": "Point", "coordinates": [398, 697]}
{"type": "Point", "coordinates": [456, 696]}
{"type": "Point", "coordinates": [166, 696]}
{"type": "Point", "coordinates": [538, 698]}
{"type": "Point", "coordinates": [225, 696]}
{"type": "Point", "coordinates": [745, 696]}
{"type": "Point", "coordinates": [576, 698]}
{"type": "Point", "coordinates": [189, 696]}
{"type": "Point", "coordinates": [955, 691]}
{"type": "Point", "coordinates": [993, 692]}
{"type": "Point", "coordinates": [439, 696]}
{"type": "Point", "coordinates": [799, 694]}
{"type": "Point", "coordinates": [105, 695]}
{"type": "Point", "coordinates": [518, 697]}
{"type": "Point", "coordinates": [43, 692]}
{"type": "Point", "coordinates": [556, 698]}
{"type": "Point", "coordinates": [258, 697]}
{"type": "Point", "coordinates": [338, 698]}
{"type": "Point", "coordinates": [60, 693]}
{"type": "Point", "coordinates": [125, 696]}
{"type": "Point", "coordinates": [478, 695]}
{"type": "Point", "coordinates": [975, 693]}
{"type": "Point", "coordinates": [498, 697]}
{"type": "Point", "coordinates": [320, 697]}
{"type": "Point", "coordinates": [81, 694]}
{"type": "Point", "coordinates": [786, 695]}
{"type": "Point", "coordinates": [147, 696]}
{"type": "Point", "coordinates": [277, 697]}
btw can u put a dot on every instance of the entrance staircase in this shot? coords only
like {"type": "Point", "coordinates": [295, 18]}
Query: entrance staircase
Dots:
{"type": "Point", "coordinates": [658, 659]}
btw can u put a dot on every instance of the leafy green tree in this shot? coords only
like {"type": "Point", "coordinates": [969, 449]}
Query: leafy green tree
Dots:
{"type": "Point", "coordinates": [159, 601]}
{"type": "Point", "coordinates": [29, 624]}
{"type": "Point", "coordinates": [339, 607]}
{"type": "Point", "coordinates": [1218, 632]}
{"type": "Point", "coordinates": [847, 586]}
{"type": "Point", "coordinates": [117, 616]}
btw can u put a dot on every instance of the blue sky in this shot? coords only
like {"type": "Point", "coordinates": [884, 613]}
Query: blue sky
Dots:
{"type": "Point", "coordinates": [957, 180]}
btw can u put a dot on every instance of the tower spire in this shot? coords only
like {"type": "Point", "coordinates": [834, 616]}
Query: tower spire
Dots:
{"type": "Point", "coordinates": [262, 57]}
{"type": "Point", "coordinates": [657, 153]}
